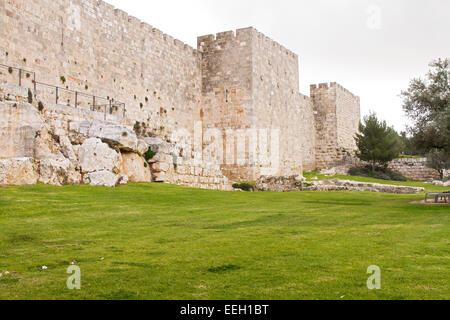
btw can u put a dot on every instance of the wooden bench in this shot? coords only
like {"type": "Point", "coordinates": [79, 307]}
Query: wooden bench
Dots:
{"type": "Point", "coordinates": [438, 195]}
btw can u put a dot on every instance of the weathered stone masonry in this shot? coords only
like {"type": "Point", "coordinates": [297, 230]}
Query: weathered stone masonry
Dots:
{"type": "Point", "coordinates": [234, 82]}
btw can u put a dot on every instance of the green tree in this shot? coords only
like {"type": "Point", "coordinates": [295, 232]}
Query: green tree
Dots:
{"type": "Point", "coordinates": [426, 103]}
{"type": "Point", "coordinates": [377, 143]}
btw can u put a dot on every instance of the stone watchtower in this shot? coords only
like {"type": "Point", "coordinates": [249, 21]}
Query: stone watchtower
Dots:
{"type": "Point", "coordinates": [251, 82]}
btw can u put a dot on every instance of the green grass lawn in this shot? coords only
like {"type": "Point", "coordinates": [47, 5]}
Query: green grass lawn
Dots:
{"type": "Point", "coordinates": [169, 242]}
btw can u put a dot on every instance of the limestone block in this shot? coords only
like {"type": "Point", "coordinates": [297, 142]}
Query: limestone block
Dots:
{"type": "Point", "coordinates": [78, 131]}
{"type": "Point", "coordinates": [115, 135]}
{"type": "Point", "coordinates": [67, 149]}
{"type": "Point", "coordinates": [58, 172]}
{"type": "Point", "coordinates": [45, 146]}
{"type": "Point", "coordinates": [134, 167]}
{"type": "Point", "coordinates": [19, 123]}
{"type": "Point", "coordinates": [160, 167]}
{"type": "Point", "coordinates": [18, 171]}
{"type": "Point", "coordinates": [94, 155]}
{"type": "Point", "coordinates": [159, 177]}
{"type": "Point", "coordinates": [101, 178]}
{"type": "Point", "coordinates": [123, 179]}
{"type": "Point", "coordinates": [142, 146]}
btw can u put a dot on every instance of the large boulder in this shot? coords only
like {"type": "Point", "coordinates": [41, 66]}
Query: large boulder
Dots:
{"type": "Point", "coordinates": [68, 149]}
{"type": "Point", "coordinates": [101, 179]}
{"type": "Point", "coordinates": [46, 146]}
{"type": "Point", "coordinates": [94, 155]}
{"type": "Point", "coordinates": [58, 172]}
{"type": "Point", "coordinates": [19, 171]}
{"type": "Point", "coordinates": [115, 135]}
{"type": "Point", "coordinates": [135, 167]}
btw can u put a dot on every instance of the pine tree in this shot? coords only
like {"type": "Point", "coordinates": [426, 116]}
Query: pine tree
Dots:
{"type": "Point", "coordinates": [377, 143]}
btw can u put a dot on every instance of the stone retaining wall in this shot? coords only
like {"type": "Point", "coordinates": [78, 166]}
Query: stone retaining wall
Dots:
{"type": "Point", "coordinates": [414, 169]}
{"type": "Point", "coordinates": [298, 183]}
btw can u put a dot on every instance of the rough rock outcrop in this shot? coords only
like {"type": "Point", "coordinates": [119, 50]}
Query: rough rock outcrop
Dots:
{"type": "Point", "coordinates": [19, 124]}
{"type": "Point", "coordinates": [101, 179]}
{"type": "Point", "coordinates": [18, 171]}
{"type": "Point", "coordinates": [58, 172]}
{"type": "Point", "coordinates": [94, 155]}
{"type": "Point", "coordinates": [135, 168]}
{"type": "Point", "coordinates": [115, 135]}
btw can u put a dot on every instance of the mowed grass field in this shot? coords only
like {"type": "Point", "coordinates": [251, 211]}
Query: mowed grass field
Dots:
{"type": "Point", "coordinates": [157, 241]}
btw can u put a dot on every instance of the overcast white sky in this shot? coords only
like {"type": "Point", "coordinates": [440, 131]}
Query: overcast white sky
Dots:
{"type": "Point", "coordinates": [336, 40]}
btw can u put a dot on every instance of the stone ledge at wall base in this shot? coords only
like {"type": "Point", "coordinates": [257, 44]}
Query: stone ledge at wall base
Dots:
{"type": "Point", "coordinates": [297, 183]}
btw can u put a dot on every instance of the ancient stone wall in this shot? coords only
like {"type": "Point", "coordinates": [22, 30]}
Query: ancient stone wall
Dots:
{"type": "Point", "coordinates": [251, 85]}
{"type": "Point", "coordinates": [337, 116]}
{"type": "Point", "coordinates": [227, 107]}
{"type": "Point", "coordinates": [233, 104]}
{"type": "Point", "coordinates": [348, 115]}
{"type": "Point", "coordinates": [278, 105]}
{"type": "Point", "coordinates": [103, 51]}
{"type": "Point", "coordinates": [414, 169]}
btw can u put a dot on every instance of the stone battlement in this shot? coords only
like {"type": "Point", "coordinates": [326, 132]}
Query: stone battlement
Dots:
{"type": "Point", "coordinates": [234, 80]}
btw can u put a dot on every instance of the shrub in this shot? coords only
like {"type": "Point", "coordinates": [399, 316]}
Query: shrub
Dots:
{"type": "Point", "coordinates": [63, 79]}
{"type": "Point", "coordinates": [244, 186]}
{"type": "Point", "coordinates": [378, 173]}
{"type": "Point", "coordinates": [10, 70]}
{"type": "Point", "coordinates": [40, 106]}
{"type": "Point", "coordinates": [30, 96]}
{"type": "Point", "coordinates": [149, 154]}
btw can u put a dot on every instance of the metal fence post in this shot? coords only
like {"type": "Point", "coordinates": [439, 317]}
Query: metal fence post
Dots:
{"type": "Point", "coordinates": [57, 95]}
{"type": "Point", "coordinates": [76, 99]}
{"type": "Point", "coordinates": [20, 77]}
{"type": "Point", "coordinates": [93, 103]}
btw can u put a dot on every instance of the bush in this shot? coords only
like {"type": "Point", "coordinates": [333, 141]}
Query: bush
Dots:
{"type": "Point", "coordinates": [244, 186]}
{"type": "Point", "coordinates": [40, 106]}
{"type": "Point", "coordinates": [379, 173]}
{"type": "Point", "coordinates": [149, 154]}
{"type": "Point", "coordinates": [30, 96]}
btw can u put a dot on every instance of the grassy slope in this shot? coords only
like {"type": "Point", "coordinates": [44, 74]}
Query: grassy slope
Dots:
{"type": "Point", "coordinates": [169, 242]}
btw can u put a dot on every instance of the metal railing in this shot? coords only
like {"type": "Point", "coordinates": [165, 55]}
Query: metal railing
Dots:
{"type": "Point", "coordinates": [21, 74]}
{"type": "Point", "coordinates": [95, 103]}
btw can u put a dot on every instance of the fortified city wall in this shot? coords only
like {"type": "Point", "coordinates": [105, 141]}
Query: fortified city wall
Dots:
{"type": "Point", "coordinates": [232, 103]}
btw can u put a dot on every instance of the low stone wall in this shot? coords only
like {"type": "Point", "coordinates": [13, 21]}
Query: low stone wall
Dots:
{"type": "Point", "coordinates": [414, 169]}
{"type": "Point", "coordinates": [298, 183]}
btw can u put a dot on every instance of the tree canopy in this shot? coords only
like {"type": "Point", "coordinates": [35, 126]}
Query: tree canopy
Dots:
{"type": "Point", "coordinates": [377, 143]}
{"type": "Point", "coordinates": [427, 104]}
